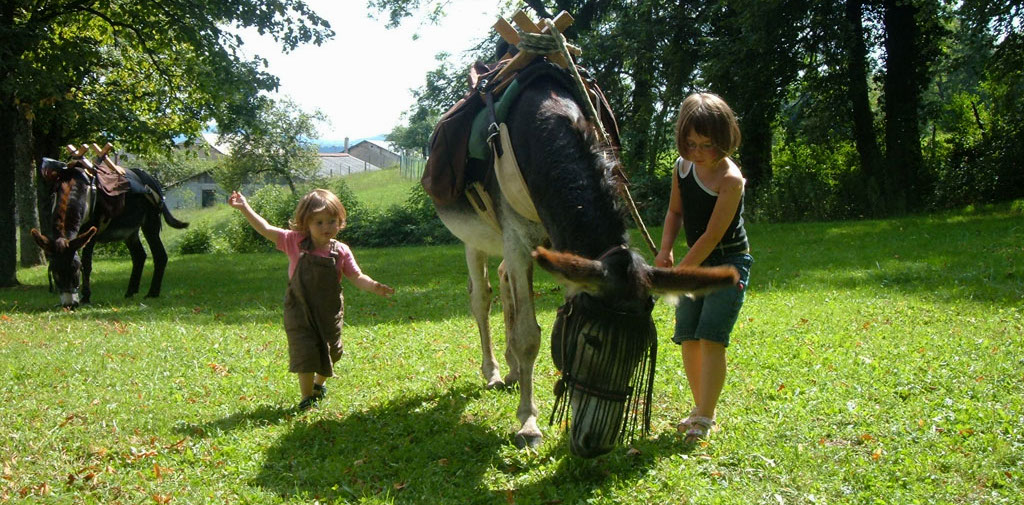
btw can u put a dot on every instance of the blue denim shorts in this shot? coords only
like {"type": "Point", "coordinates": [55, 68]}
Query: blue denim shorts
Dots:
{"type": "Point", "coordinates": [712, 317]}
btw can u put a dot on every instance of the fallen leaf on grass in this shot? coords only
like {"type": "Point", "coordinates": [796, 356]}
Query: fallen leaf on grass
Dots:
{"type": "Point", "coordinates": [398, 485]}
{"type": "Point", "coordinates": [443, 461]}
{"type": "Point", "coordinates": [162, 498]}
{"type": "Point", "coordinates": [160, 471]}
{"type": "Point", "coordinates": [876, 454]}
{"type": "Point", "coordinates": [219, 369]}
{"type": "Point", "coordinates": [179, 445]}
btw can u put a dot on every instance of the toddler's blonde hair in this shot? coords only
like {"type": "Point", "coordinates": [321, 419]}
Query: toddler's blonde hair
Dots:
{"type": "Point", "coordinates": [318, 200]}
{"type": "Point", "coordinates": [709, 116]}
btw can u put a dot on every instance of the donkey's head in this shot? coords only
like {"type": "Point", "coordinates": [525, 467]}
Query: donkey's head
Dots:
{"type": "Point", "coordinates": [604, 341]}
{"type": "Point", "coordinates": [70, 192]}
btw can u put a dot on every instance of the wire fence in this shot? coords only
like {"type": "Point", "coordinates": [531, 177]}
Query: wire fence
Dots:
{"type": "Point", "coordinates": [411, 166]}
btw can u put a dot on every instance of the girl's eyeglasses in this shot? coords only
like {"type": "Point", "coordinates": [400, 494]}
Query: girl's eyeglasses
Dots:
{"type": "Point", "coordinates": [705, 147]}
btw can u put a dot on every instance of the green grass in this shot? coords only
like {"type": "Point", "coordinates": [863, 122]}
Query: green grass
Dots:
{"type": "Point", "coordinates": [382, 188]}
{"type": "Point", "coordinates": [875, 362]}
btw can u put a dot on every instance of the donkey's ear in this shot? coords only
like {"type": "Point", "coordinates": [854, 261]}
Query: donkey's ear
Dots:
{"type": "Point", "coordinates": [692, 280]}
{"type": "Point", "coordinates": [82, 239]}
{"type": "Point", "coordinates": [575, 272]}
{"type": "Point", "coordinates": [43, 242]}
{"type": "Point", "coordinates": [49, 169]}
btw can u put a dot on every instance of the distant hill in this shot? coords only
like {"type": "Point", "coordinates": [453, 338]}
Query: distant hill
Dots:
{"type": "Point", "coordinates": [337, 146]}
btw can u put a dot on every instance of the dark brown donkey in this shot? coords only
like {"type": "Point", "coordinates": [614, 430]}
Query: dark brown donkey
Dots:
{"type": "Point", "coordinates": [83, 210]}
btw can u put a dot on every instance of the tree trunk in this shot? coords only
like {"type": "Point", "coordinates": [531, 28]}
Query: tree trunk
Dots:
{"type": "Point", "coordinates": [25, 192]}
{"type": "Point", "coordinates": [756, 148]}
{"type": "Point", "coordinates": [863, 119]}
{"type": "Point", "coordinates": [8, 230]}
{"type": "Point", "coordinates": [902, 99]}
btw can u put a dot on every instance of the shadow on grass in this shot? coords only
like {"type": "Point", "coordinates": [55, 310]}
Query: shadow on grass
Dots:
{"type": "Point", "coordinates": [414, 449]}
{"type": "Point", "coordinates": [264, 415]}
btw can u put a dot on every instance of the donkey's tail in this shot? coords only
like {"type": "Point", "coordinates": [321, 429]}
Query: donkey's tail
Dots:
{"type": "Point", "coordinates": [171, 220]}
{"type": "Point", "coordinates": [156, 197]}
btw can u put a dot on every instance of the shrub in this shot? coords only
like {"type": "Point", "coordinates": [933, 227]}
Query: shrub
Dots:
{"type": "Point", "coordinates": [816, 182]}
{"type": "Point", "coordinates": [414, 222]}
{"type": "Point", "coordinates": [115, 249]}
{"type": "Point", "coordinates": [276, 204]}
{"type": "Point", "coordinates": [197, 239]}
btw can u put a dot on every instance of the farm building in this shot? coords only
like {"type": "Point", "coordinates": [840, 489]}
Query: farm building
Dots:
{"type": "Point", "coordinates": [376, 152]}
{"type": "Point", "coordinates": [336, 164]}
{"type": "Point", "coordinates": [200, 190]}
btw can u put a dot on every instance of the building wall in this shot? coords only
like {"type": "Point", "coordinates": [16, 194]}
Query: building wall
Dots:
{"type": "Point", "coordinates": [194, 194]}
{"type": "Point", "coordinates": [374, 154]}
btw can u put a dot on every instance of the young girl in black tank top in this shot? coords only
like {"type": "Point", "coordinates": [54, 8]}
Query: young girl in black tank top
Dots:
{"type": "Point", "coordinates": [707, 202]}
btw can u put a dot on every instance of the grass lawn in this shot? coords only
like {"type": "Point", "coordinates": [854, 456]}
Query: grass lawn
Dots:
{"type": "Point", "coordinates": [382, 188]}
{"type": "Point", "coordinates": [875, 362]}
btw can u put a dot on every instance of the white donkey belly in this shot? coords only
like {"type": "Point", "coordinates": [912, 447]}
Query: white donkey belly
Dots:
{"type": "Point", "coordinates": [475, 232]}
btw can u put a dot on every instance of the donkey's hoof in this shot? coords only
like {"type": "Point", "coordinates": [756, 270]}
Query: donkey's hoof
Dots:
{"type": "Point", "coordinates": [510, 382]}
{"type": "Point", "coordinates": [532, 441]}
{"type": "Point", "coordinates": [494, 384]}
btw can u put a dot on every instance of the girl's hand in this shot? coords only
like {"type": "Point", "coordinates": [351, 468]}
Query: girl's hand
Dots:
{"type": "Point", "coordinates": [237, 200]}
{"type": "Point", "coordinates": [664, 259]}
{"type": "Point", "coordinates": [383, 289]}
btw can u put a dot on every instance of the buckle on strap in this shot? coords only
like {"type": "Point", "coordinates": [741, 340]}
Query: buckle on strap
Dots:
{"type": "Point", "coordinates": [492, 128]}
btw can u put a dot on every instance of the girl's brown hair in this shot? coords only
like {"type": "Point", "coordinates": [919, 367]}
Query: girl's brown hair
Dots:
{"type": "Point", "coordinates": [318, 200]}
{"type": "Point", "coordinates": [709, 116]}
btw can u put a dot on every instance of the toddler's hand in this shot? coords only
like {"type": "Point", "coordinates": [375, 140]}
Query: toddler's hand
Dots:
{"type": "Point", "coordinates": [383, 290]}
{"type": "Point", "coordinates": [237, 200]}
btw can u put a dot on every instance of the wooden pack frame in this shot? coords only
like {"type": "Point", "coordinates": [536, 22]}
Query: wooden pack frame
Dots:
{"type": "Point", "coordinates": [525, 24]}
{"type": "Point", "coordinates": [78, 153]}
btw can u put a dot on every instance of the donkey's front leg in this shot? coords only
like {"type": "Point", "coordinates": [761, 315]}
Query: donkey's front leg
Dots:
{"type": "Point", "coordinates": [86, 291]}
{"type": "Point", "coordinates": [138, 254]}
{"type": "Point", "coordinates": [480, 305]}
{"type": "Point", "coordinates": [523, 336]}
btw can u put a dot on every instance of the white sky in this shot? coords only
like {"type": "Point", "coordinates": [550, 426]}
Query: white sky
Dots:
{"type": "Point", "coordinates": [361, 79]}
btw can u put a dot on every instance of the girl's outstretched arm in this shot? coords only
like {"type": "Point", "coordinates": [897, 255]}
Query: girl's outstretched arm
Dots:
{"type": "Point", "coordinates": [366, 283]}
{"type": "Point", "coordinates": [238, 201]}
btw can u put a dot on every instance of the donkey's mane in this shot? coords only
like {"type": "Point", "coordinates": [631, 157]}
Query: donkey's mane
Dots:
{"type": "Point", "coordinates": [574, 172]}
{"type": "Point", "coordinates": [67, 218]}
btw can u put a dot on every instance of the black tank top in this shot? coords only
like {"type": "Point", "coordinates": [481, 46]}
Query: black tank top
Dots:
{"type": "Point", "coordinates": [698, 204]}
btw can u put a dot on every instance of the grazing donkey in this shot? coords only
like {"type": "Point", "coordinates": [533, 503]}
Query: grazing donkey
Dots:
{"type": "Point", "coordinates": [84, 212]}
{"type": "Point", "coordinates": [604, 340]}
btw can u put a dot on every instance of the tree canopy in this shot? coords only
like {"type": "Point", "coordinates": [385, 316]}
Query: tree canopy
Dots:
{"type": "Point", "coordinates": [848, 108]}
{"type": "Point", "coordinates": [137, 73]}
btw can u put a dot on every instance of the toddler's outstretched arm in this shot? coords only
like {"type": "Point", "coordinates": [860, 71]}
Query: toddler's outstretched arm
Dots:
{"type": "Point", "coordinates": [365, 283]}
{"type": "Point", "coordinates": [238, 201]}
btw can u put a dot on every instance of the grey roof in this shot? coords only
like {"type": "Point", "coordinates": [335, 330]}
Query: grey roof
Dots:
{"type": "Point", "coordinates": [332, 164]}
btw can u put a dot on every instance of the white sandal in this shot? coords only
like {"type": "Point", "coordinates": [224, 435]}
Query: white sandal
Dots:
{"type": "Point", "coordinates": [700, 426]}
{"type": "Point", "coordinates": [685, 423]}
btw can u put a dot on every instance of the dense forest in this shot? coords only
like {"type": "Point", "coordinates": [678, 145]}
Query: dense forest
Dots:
{"type": "Point", "coordinates": [848, 109]}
